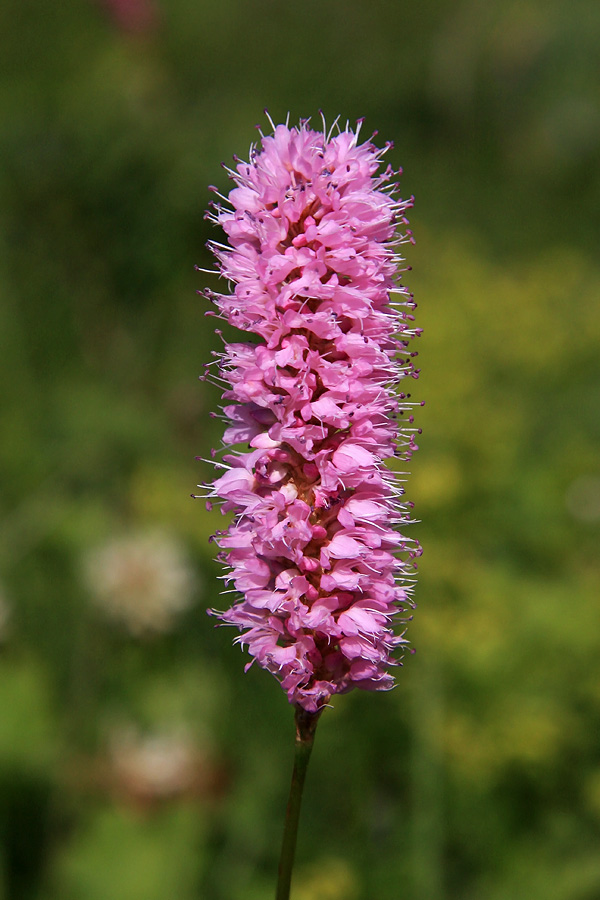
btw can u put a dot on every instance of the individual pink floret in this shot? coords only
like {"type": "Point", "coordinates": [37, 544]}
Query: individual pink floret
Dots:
{"type": "Point", "coordinates": [313, 547]}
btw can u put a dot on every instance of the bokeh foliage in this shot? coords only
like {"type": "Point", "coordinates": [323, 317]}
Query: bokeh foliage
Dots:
{"type": "Point", "coordinates": [479, 776]}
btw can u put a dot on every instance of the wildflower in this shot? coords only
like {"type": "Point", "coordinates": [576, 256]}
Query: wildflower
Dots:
{"type": "Point", "coordinates": [312, 547]}
{"type": "Point", "coordinates": [142, 580]}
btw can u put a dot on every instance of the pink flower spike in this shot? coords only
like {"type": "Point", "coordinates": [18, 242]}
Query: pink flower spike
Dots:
{"type": "Point", "coordinates": [313, 549]}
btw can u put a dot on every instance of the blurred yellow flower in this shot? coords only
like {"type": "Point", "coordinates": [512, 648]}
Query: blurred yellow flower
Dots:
{"type": "Point", "coordinates": [329, 879]}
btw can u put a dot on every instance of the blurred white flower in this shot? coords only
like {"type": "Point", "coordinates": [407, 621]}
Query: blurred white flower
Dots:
{"type": "Point", "coordinates": [154, 766]}
{"type": "Point", "coordinates": [141, 580]}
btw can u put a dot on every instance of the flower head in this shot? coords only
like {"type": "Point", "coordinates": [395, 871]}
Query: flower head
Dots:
{"type": "Point", "coordinates": [313, 547]}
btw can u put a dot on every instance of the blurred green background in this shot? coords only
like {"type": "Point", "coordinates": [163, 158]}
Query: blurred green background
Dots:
{"type": "Point", "coordinates": [137, 761]}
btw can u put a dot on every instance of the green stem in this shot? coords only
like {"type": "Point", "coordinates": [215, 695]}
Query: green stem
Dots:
{"type": "Point", "coordinates": [306, 724]}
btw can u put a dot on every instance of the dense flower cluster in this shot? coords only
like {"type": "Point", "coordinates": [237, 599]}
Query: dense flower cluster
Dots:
{"type": "Point", "coordinates": [312, 547]}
